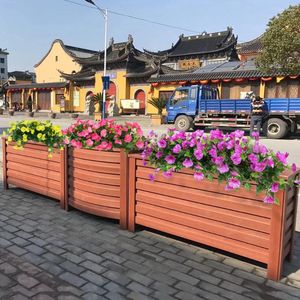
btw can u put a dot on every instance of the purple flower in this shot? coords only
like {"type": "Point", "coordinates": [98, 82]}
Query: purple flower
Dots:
{"type": "Point", "coordinates": [170, 159]}
{"type": "Point", "coordinates": [162, 144]}
{"type": "Point", "coordinates": [294, 167]}
{"type": "Point", "coordinates": [223, 168]}
{"type": "Point", "coordinates": [185, 144]}
{"type": "Point", "coordinates": [216, 134]}
{"type": "Point", "coordinates": [198, 154]}
{"type": "Point", "coordinates": [255, 148]}
{"type": "Point", "coordinates": [253, 158]}
{"type": "Point", "coordinates": [219, 160]}
{"type": "Point", "coordinates": [199, 176]}
{"type": "Point", "coordinates": [213, 152]}
{"type": "Point", "coordinates": [255, 135]}
{"type": "Point", "coordinates": [221, 146]}
{"type": "Point", "coordinates": [233, 184]}
{"type": "Point", "coordinates": [151, 177]}
{"type": "Point", "coordinates": [187, 163]}
{"type": "Point", "coordinates": [282, 157]}
{"type": "Point", "coordinates": [275, 187]}
{"type": "Point", "coordinates": [269, 199]}
{"type": "Point", "coordinates": [167, 174]}
{"type": "Point", "coordinates": [158, 154]}
{"type": "Point", "coordinates": [236, 158]}
{"type": "Point", "coordinates": [239, 133]}
{"type": "Point", "coordinates": [234, 173]}
{"type": "Point", "coordinates": [258, 167]}
{"type": "Point", "coordinates": [263, 149]}
{"type": "Point", "coordinates": [270, 162]}
{"type": "Point", "coordinates": [176, 149]}
{"type": "Point", "coordinates": [297, 181]}
{"type": "Point", "coordinates": [230, 144]}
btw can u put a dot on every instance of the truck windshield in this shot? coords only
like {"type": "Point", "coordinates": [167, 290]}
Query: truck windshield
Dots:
{"type": "Point", "coordinates": [180, 95]}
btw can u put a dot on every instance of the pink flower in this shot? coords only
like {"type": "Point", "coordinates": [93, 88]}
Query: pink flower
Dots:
{"type": "Point", "coordinates": [236, 158]}
{"type": "Point", "coordinates": [232, 184]}
{"type": "Point", "coordinates": [95, 137]}
{"type": "Point", "coordinates": [198, 154]}
{"type": "Point", "coordinates": [176, 149]}
{"type": "Point", "coordinates": [109, 146]}
{"type": "Point", "coordinates": [270, 162]}
{"type": "Point", "coordinates": [170, 159]}
{"type": "Point", "coordinates": [167, 174]}
{"type": "Point", "coordinates": [234, 173]}
{"type": "Point", "coordinates": [89, 143]}
{"type": "Point", "coordinates": [269, 199]}
{"type": "Point", "coordinates": [117, 141]}
{"type": "Point", "coordinates": [198, 176]}
{"type": "Point", "coordinates": [297, 181]}
{"type": "Point", "coordinates": [255, 135]}
{"type": "Point", "coordinates": [275, 187]}
{"type": "Point", "coordinates": [187, 163]}
{"type": "Point", "coordinates": [128, 138]}
{"type": "Point", "coordinates": [78, 145]}
{"type": "Point", "coordinates": [219, 160]}
{"type": "Point", "coordinates": [139, 144]}
{"type": "Point", "coordinates": [159, 154]}
{"type": "Point", "coordinates": [282, 157]}
{"type": "Point", "coordinates": [213, 152]}
{"type": "Point", "coordinates": [259, 167]}
{"type": "Point", "coordinates": [162, 144]}
{"type": "Point", "coordinates": [223, 168]}
{"type": "Point", "coordinates": [66, 141]}
{"type": "Point", "coordinates": [103, 132]}
{"type": "Point", "coordinates": [151, 177]}
{"type": "Point", "coordinates": [73, 143]}
{"type": "Point", "coordinates": [294, 167]}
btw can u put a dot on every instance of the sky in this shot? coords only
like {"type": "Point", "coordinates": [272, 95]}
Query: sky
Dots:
{"type": "Point", "coordinates": [28, 27]}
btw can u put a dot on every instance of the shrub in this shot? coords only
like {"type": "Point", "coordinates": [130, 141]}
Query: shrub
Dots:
{"type": "Point", "coordinates": [41, 132]}
{"type": "Point", "coordinates": [234, 158]}
{"type": "Point", "coordinates": [104, 135]}
{"type": "Point", "coordinates": [158, 103]}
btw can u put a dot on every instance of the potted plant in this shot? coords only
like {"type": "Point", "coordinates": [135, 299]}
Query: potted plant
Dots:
{"type": "Point", "coordinates": [98, 166]}
{"type": "Point", "coordinates": [227, 191]}
{"type": "Point", "coordinates": [160, 104]}
{"type": "Point", "coordinates": [98, 104]}
{"type": "Point", "coordinates": [40, 166]}
{"type": "Point", "coordinates": [11, 112]}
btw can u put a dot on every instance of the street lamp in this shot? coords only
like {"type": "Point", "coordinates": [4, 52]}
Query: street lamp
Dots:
{"type": "Point", "coordinates": [104, 14]}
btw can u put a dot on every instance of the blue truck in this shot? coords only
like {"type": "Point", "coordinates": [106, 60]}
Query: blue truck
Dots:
{"type": "Point", "coordinates": [200, 106]}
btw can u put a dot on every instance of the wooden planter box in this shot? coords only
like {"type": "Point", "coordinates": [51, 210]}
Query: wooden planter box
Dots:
{"type": "Point", "coordinates": [32, 169]}
{"type": "Point", "coordinates": [97, 183]}
{"type": "Point", "coordinates": [237, 222]}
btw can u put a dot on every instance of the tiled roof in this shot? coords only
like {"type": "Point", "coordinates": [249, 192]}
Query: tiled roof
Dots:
{"type": "Point", "coordinates": [228, 70]}
{"type": "Point", "coordinates": [252, 46]}
{"type": "Point", "coordinates": [21, 75]}
{"type": "Point", "coordinates": [205, 43]}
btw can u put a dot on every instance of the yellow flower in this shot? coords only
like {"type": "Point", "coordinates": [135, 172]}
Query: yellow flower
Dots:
{"type": "Point", "coordinates": [43, 137]}
{"type": "Point", "coordinates": [32, 131]}
{"type": "Point", "coordinates": [19, 142]}
{"type": "Point", "coordinates": [23, 129]}
{"type": "Point", "coordinates": [39, 135]}
{"type": "Point", "coordinates": [40, 128]}
{"type": "Point", "coordinates": [9, 139]}
{"type": "Point", "coordinates": [25, 139]}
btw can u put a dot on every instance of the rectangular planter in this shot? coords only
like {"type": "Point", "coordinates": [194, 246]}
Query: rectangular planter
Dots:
{"type": "Point", "coordinates": [98, 183]}
{"type": "Point", "coordinates": [32, 169]}
{"type": "Point", "coordinates": [238, 221]}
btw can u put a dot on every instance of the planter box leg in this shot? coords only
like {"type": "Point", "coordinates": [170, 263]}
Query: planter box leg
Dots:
{"type": "Point", "coordinates": [4, 149]}
{"type": "Point", "coordinates": [123, 190]}
{"type": "Point", "coordinates": [132, 192]}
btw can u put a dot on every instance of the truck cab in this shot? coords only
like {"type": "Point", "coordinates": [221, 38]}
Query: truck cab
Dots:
{"type": "Point", "coordinates": [183, 105]}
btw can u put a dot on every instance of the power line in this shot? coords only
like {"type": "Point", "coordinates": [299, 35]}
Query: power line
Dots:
{"type": "Point", "coordinates": [136, 18]}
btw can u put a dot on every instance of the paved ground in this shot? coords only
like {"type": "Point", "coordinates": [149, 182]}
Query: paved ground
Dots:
{"type": "Point", "coordinates": [47, 253]}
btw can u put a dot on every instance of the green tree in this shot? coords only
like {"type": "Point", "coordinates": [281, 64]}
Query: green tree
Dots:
{"type": "Point", "coordinates": [281, 43]}
{"type": "Point", "coordinates": [158, 103]}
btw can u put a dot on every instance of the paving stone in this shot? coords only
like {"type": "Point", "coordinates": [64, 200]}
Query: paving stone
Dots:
{"type": "Point", "coordinates": [249, 276]}
{"type": "Point", "coordinates": [228, 277]}
{"type": "Point", "coordinates": [20, 241]}
{"type": "Point", "coordinates": [4, 243]}
{"type": "Point", "coordinates": [72, 279]}
{"type": "Point", "coordinates": [91, 256]}
{"type": "Point", "coordinates": [205, 277]}
{"type": "Point", "coordinates": [187, 296]}
{"type": "Point", "coordinates": [52, 268]}
{"type": "Point", "coordinates": [144, 280]}
{"type": "Point", "coordinates": [73, 268]}
{"type": "Point", "coordinates": [137, 287]}
{"type": "Point", "coordinates": [93, 267]}
{"type": "Point", "coordinates": [92, 288]}
{"type": "Point", "coordinates": [4, 281]}
{"type": "Point", "coordinates": [115, 296]}
{"type": "Point", "coordinates": [29, 268]}
{"type": "Point", "coordinates": [116, 288]}
{"type": "Point", "coordinates": [6, 268]}
{"type": "Point", "coordinates": [218, 265]}
{"type": "Point", "coordinates": [27, 281]}
{"type": "Point", "coordinates": [184, 277]}
{"type": "Point", "coordinates": [117, 277]}
{"type": "Point", "coordinates": [17, 250]}
{"type": "Point", "coordinates": [94, 278]}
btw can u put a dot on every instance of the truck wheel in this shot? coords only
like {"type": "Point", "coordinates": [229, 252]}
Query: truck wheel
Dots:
{"type": "Point", "coordinates": [276, 128]}
{"type": "Point", "coordinates": [183, 123]}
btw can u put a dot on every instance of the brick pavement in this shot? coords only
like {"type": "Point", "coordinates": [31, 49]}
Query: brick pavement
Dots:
{"type": "Point", "coordinates": [47, 253]}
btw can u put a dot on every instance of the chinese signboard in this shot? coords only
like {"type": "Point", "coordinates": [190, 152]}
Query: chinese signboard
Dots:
{"type": "Point", "coordinates": [185, 64]}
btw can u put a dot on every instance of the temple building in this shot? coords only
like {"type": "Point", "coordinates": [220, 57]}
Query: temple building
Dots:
{"type": "Point", "coordinates": [249, 50]}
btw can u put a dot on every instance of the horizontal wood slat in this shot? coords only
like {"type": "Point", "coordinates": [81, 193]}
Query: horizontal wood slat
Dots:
{"type": "Point", "coordinates": [100, 167]}
{"type": "Point", "coordinates": [25, 160]}
{"type": "Point", "coordinates": [204, 225]}
{"type": "Point", "coordinates": [34, 180]}
{"type": "Point", "coordinates": [34, 171]}
{"type": "Point", "coordinates": [200, 196]}
{"type": "Point", "coordinates": [101, 189]}
{"type": "Point", "coordinates": [34, 188]}
{"type": "Point", "coordinates": [101, 200]}
{"type": "Point", "coordinates": [206, 211]}
{"type": "Point", "coordinates": [101, 211]}
{"type": "Point", "coordinates": [209, 239]}
{"type": "Point", "coordinates": [94, 155]}
{"type": "Point", "coordinates": [104, 178]}
{"type": "Point", "coordinates": [186, 180]}
{"type": "Point", "coordinates": [34, 153]}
